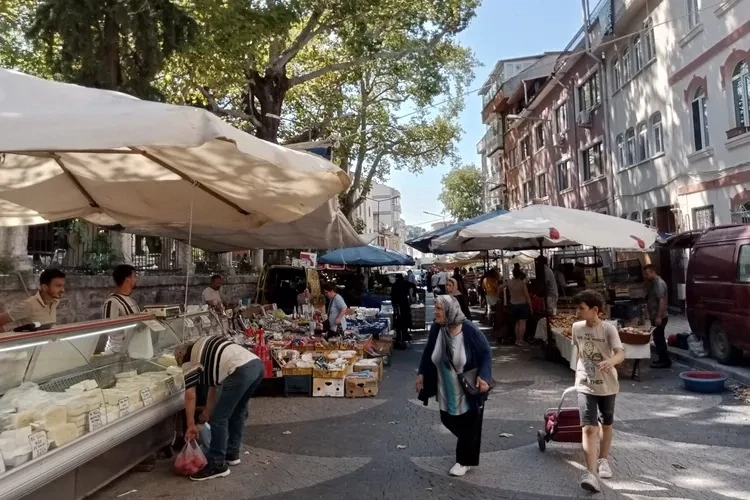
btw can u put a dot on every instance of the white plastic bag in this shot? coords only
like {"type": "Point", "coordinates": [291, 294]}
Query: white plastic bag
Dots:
{"type": "Point", "coordinates": [696, 347]}
{"type": "Point", "coordinates": [141, 345]}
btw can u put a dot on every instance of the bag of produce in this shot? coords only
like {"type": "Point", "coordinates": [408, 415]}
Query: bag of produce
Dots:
{"type": "Point", "coordinates": [191, 460]}
{"type": "Point", "coordinates": [696, 347]}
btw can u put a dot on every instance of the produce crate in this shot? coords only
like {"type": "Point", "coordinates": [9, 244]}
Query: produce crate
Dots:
{"type": "Point", "coordinates": [361, 387]}
{"type": "Point", "coordinates": [378, 368]}
{"type": "Point", "coordinates": [298, 384]}
{"type": "Point", "coordinates": [328, 387]}
{"type": "Point", "coordinates": [297, 372]}
{"type": "Point", "coordinates": [332, 374]}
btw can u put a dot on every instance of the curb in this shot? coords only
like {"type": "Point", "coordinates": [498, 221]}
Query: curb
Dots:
{"type": "Point", "coordinates": [739, 375]}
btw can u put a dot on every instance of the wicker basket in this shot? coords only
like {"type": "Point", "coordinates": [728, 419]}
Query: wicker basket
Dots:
{"type": "Point", "coordinates": [634, 338]}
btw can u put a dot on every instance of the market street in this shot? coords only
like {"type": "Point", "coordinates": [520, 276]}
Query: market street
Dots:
{"type": "Point", "coordinates": [668, 444]}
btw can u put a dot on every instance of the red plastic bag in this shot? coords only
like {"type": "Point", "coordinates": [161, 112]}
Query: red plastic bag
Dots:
{"type": "Point", "coordinates": [191, 460]}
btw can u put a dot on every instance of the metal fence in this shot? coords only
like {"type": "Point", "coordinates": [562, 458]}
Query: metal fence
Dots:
{"type": "Point", "coordinates": [153, 253]}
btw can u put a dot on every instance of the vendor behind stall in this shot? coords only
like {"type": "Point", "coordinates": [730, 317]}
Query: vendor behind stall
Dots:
{"type": "Point", "coordinates": [550, 284]}
{"type": "Point", "coordinates": [400, 292]}
{"type": "Point", "coordinates": [336, 310]}
{"type": "Point", "coordinates": [39, 308]}
{"type": "Point", "coordinates": [212, 294]}
{"type": "Point", "coordinates": [120, 303]}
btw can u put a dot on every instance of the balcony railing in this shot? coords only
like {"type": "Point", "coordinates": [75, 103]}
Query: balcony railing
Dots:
{"type": "Point", "coordinates": [487, 98]}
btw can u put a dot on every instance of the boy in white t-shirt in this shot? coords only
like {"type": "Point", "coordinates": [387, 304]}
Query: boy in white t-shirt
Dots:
{"type": "Point", "coordinates": [599, 351]}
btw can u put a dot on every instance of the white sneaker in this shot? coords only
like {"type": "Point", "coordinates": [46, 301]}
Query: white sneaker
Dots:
{"type": "Point", "coordinates": [590, 483]}
{"type": "Point", "coordinates": [605, 471]}
{"type": "Point", "coordinates": [459, 470]}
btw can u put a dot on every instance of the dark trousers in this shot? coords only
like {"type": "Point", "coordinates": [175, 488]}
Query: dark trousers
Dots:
{"type": "Point", "coordinates": [660, 341]}
{"type": "Point", "coordinates": [468, 429]}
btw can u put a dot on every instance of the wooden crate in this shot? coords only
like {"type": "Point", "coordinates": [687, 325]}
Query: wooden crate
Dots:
{"type": "Point", "coordinates": [360, 387]}
{"type": "Point", "coordinates": [332, 374]}
{"type": "Point", "coordinates": [297, 372]}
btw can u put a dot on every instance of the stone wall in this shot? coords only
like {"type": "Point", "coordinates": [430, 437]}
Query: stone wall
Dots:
{"type": "Point", "coordinates": [85, 295]}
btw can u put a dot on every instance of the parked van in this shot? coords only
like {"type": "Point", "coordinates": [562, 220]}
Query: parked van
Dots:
{"type": "Point", "coordinates": [718, 288]}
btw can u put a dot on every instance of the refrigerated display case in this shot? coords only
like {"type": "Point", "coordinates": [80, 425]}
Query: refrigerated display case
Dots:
{"type": "Point", "coordinates": [194, 324]}
{"type": "Point", "coordinates": [72, 420]}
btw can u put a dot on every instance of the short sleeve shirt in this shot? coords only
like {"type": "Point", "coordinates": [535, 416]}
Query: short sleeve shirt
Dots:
{"type": "Point", "coordinates": [211, 297]}
{"type": "Point", "coordinates": [337, 305]}
{"type": "Point", "coordinates": [657, 289]}
{"type": "Point", "coordinates": [118, 305]}
{"type": "Point", "coordinates": [595, 344]}
{"type": "Point", "coordinates": [33, 310]}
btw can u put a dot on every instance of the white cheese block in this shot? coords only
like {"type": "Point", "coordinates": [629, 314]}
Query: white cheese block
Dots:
{"type": "Point", "coordinates": [113, 414]}
{"type": "Point", "coordinates": [17, 420]}
{"type": "Point", "coordinates": [51, 416]}
{"type": "Point", "coordinates": [136, 406]}
{"type": "Point", "coordinates": [17, 456]}
{"type": "Point", "coordinates": [61, 434]}
{"type": "Point", "coordinates": [80, 431]}
{"type": "Point", "coordinates": [78, 420]}
{"type": "Point", "coordinates": [18, 436]}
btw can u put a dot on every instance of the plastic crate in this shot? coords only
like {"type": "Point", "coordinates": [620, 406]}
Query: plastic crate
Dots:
{"type": "Point", "coordinates": [298, 384]}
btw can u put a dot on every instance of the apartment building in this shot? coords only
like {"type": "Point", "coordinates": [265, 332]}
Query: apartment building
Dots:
{"type": "Point", "coordinates": [490, 146]}
{"type": "Point", "coordinates": [388, 222]}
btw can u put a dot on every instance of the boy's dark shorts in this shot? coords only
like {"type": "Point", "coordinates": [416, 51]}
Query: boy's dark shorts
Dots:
{"type": "Point", "coordinates": [591, 407]}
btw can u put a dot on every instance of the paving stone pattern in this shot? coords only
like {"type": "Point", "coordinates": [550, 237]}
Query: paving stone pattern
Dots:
{"type": "Point", "coordinates": [668, 444]}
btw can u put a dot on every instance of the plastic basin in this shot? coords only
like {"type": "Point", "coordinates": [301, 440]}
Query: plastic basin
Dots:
{"type": "Point", "coordinates": [703, 381]}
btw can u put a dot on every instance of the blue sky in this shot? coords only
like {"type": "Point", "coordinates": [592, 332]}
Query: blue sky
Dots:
{"type": "Point", "coordinates": [502, 29]}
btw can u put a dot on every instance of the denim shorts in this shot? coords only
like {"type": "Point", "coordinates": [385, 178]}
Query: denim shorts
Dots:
{"type": "Point", "coordinates": [592, 407]}
{"type": "Point", "coordinates": [521, 311]}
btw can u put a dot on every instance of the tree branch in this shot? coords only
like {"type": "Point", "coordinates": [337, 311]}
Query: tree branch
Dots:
{"type": "Point", "coordinates": [357, 61]}
{"type": "Point", "coordinates": [368, 180]}
{"type": "Point", "coordinates": [312, 29]}
{"type": "Point", "coordinates": [219, 111]}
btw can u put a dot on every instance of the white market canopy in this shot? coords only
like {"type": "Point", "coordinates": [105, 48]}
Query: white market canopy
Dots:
{"type": "Point", "coordinates": [73, 152]}
{"type": "Point", "coordinates": [548, 226]}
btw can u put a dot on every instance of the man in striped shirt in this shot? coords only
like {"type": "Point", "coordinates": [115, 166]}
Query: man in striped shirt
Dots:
{"type": "Point", "coordinates": [239, 373]}
{"type": "Point", "coordinates": [120, 303]}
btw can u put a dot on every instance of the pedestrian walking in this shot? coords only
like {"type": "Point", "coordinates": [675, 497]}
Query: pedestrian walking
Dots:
{"type": "Point", "coordinates": [599, 351]}
{"type": "Point", "coordinates": [455, 346]}
{"type": "Point", "coordinates": [453, 289]}
{"type": "Point", "coordinates": [520, 302]}
{"type": "Point", "coordinates": [656, 304]}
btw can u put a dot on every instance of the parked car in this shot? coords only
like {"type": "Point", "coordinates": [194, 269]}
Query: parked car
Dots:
{"type": "Point", "coordinates": [718, 288]}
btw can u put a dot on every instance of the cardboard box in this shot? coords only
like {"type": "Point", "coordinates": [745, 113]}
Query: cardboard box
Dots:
{"type": "Point", "coordinates": [361, 387]}
{"type": "Point", "coordinates": [328, 388]}
{"type": "Point", "coordinates": [363, 366]}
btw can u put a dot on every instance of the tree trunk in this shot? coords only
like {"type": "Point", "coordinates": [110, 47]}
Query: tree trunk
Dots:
{"type": "Point", "coordinates": [266, 97]}
{"type": "Point", "coordinates": [109, 68]}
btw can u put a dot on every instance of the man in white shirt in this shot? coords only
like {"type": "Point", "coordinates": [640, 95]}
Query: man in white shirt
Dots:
{"type": "Point", "coordinates": [39, 308]}
{"type": "Point", "coordinates": [212, 295]}
{"type": "Point", "coordinates": [120, 303]}
{"type": "Point", "coordinates": [442, 280]}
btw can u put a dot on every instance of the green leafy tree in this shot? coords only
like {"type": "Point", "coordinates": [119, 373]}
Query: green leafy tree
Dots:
{"type": "Point", "coordinates": [111, 44]}
{"type": "Point", "coordinates": [462, 192]}
{"type": "Point", "coordinates": [413, 232]}
{"type": "Point", "coordinates": [254, 53]}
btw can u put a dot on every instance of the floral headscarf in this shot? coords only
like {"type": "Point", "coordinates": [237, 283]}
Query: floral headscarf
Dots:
{"type": "Point", "coordinates": [456, 292]}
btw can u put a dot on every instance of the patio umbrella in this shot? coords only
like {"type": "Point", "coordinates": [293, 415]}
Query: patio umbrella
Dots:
{"type": "Point", "coordinates": [548, 226]}
{"type": "Point", "coordinates": [423, 242]}
{"type": "Point", "coordinates": [68, 151]}
{"type": "Point", "coordinates": [365, 256]}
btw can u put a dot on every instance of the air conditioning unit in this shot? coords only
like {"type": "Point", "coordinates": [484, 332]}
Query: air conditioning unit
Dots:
{"type": "Point", "coordinates": [584, 119]}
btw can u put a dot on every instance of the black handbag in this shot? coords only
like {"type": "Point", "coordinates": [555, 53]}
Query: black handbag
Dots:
{"type": "Point", "coordinates": [468, 379]}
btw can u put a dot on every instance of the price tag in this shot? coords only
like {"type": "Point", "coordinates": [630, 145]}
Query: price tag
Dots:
{"type": "Point", "coordinates": [95, 420]}
{"type": "Point", "coordinates": [146, 396]}
{"type": "Point", "coordinates": [124, 405]}
{"type": "Point", "coordinates": [171, 386]}
{"type": "Point", "coordinates": [39, 444]}
{"type": "Point", "coordinates": [188, 323]}
{"type": "Point", "coordinates": [154, 325]}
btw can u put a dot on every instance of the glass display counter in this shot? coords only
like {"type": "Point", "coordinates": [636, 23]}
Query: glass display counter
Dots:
{"type": "Point", "coordinates": [71, 419]}
{"type": "Point", "coordinates": [194, 324]}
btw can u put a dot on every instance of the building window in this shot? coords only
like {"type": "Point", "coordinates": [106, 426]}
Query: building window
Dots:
{"type": "Point", "coordinates": [528, 192]}
{"type": "Point", "coordinates": [625, 65]}
{"type": "Point", "coordinates": [588, 93]}
{"type": "Point", "coordinates": [637, 54]}
{"type": "Point", "coordinates": [539, 136]}
{"type": "Point", "coordinates": [635, 216]}
{"type": "Point", "coordinates": [621, 151]}
{"type": "Point", "coordinates": [703, 218]}
{"type": "Point", "coordinates": [615, 75]}
{"type": "Point", "coordinates": [648, 217]}
{"type": "Point", "coordinates": [525, 148]}
{"type": "Point", "coordinates": [657, 132]}
{"type": "Point", "coordinates": [648, 27]}
{"type": "Point", "coordinates": [700, 120]}
{"type": "Point", "coordinates": [563, 175]}
{"type": "Point", "coordinates": [693, 13]}
{"type": "Point", "coordinates": [643, 150]}
{"type": "Point", "coordinates": [541, 186]}
{"type": "Point", "coordinates": [591, 162]}
{"type": "Point", "coordinates": [630, 146]}
{"type": "Point", "coordinates": [561, 119]}
{"type": "Point", "coordinates": [741, 92]}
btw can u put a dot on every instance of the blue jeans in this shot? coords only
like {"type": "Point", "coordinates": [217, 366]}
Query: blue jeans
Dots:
{"type": "Point", "coordinates": [228, 416]}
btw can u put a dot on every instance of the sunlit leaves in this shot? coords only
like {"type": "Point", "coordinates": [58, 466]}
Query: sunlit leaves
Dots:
{"type": "Point", "coordinates": [462, 192]}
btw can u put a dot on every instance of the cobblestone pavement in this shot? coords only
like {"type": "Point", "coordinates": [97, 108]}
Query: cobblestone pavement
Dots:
{"type": "Point", "coordinates": [668, 444]}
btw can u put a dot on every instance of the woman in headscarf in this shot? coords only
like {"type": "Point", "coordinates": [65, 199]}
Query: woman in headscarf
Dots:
{"type": "Point", "coordinates": [452, 288]}
{"type": "Point", "coordinates": [456, 346]}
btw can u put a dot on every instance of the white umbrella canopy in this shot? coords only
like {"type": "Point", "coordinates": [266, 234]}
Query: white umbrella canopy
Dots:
{"type": "Point", "coordinates": [68, 151]}
{"type": "Point", "coordinates": [325, 228]}
{"type": "Point", "coordinates": [549, 226]}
